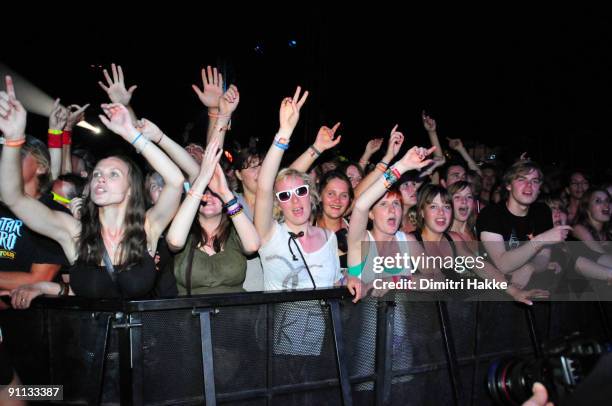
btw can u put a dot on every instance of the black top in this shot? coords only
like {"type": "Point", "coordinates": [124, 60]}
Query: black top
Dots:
{"type": "Point", "coordinates": [94, 282]}
{"type": "Point", "coordinates": [21, 247]}
{"type": "Point", "coordinates": [514, 229]}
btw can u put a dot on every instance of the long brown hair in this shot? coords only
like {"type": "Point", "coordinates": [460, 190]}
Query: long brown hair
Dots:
{"type": "Point", "coordinates": [222, 233]}
{"type": "Point", "coordinates": [91, 244]}
{"type": "Point", "coordinates": [583, 218]}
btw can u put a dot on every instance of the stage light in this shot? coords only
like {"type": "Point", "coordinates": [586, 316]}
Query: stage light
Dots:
{"type": "Point", "coordinates": [292, 43]}
{"type": "Point", "coordinates": [93, 129]}
{"type": "Point", "coordinates": [35, 100]}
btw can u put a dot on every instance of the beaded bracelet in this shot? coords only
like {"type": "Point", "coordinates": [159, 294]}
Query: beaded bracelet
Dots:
{"type": "Point", "coordinates": [234, 212]}
{"type": "Point", "coordinates": [389, 178]}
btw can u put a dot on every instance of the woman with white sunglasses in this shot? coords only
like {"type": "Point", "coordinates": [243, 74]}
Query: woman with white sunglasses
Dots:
{"type": "Point", "coordinates": [294, 254]}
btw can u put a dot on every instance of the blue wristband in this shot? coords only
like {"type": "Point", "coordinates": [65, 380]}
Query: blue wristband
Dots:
{"type": "Point", "coordinates": [136, 139]}
{"type": "Point", "coordinates": [284, 147]}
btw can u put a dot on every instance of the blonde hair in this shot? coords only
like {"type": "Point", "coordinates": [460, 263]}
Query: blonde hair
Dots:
{"type": "Point", "coordinates": [312, 192]}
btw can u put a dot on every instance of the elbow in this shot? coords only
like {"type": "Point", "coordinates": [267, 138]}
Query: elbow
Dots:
{"type": "Point", "coordinates": [174, 245]}
{"type": "Point", "coordinates": [252, 246]}
{"type": "Point", "coordinates": [176, 180]}
{"type": "Point", "coordinates": [360, 206]}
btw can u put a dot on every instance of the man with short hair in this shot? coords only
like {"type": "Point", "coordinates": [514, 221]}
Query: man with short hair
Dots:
{"type": "Point", "coordinates": [454, 172]}
{"type": "Point", "coordinates": [515, 233]}
{"type": "Point", "coordinates": [25, 256]}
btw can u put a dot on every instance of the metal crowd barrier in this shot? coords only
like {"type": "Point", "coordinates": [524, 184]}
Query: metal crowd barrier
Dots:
{"type": "Point", "coordinates": [284, 348]}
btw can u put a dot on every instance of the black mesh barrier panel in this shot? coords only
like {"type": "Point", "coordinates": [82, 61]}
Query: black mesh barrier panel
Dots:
{"type": "Point", "coordinates": [283, 352]}
{"type": "Point", "coordinates": [77, 340]}
{"type": "Point", "coordinates": [239, 342]}
{"type": "Point", "coordinates": [24, 334]}
{"type": "Point", "coordinates": [172, 356]}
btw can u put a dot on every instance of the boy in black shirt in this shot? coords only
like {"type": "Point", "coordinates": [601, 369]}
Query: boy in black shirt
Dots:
{"type": "Point", "coordinates": [515, 233]}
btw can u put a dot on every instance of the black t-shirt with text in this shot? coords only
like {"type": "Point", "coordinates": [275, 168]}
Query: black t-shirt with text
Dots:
{"type": "Point", "coordinates": [514, 229]}
{"type": "Point", "coordinates": [20, 247]}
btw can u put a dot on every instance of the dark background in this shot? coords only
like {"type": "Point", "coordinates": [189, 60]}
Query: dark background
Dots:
{"type": "Point", "coordinates": [520, 79]}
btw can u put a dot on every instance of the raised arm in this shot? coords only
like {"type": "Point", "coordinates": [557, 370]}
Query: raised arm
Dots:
{"type": "Point", "coordinates": [212, 90]}
{"type": "Point", "coordinates": [227, 105]}
{"type": "Point", "coordinates": [325, 140]}
{"type": "Point", "coordinates": [244, 227]}
{"type": "Point", "coordinates": [57, 122]}
{"type": "Point", "coordinates": [396, 139]}
{"type": "Point", "coordinates": [116, 90]}
{"type": "Point", "coordinates": [289, 115]}
{"type": "Point", "coordinates": [371, 148]}
{"type": "Point", "coordinates": [431, 128]}
{"type": "Point", "coordinates": [178, 154]}
{"type": "Point", "coordinates": [117, 119]}
{"type": "Point", "coordinates": [76, 113]}
{"type": "Point", "coordinates": [457, 145]}
{"type": "Point", "coordinates": [415, 158]}
{"type": "Point", "coordinates": [54, 224]}
{"type": "Point", "coordinates": [179, 229]}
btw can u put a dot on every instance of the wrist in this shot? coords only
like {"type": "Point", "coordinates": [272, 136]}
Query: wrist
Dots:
{"type": "Point", "coordinates": [227, 197]}
{"type": "Point", "coordinates": [54, 138]}
{"type": "Point", "coordinates": [284, 133]}
{"type": "Point", "coordinates": [400, 167]}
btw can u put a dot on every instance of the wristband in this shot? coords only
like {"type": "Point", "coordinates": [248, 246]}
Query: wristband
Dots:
{"type": "Point", "coordinates": [54, 139]}
{"type": "Point", "coordinates": [67, 137]}
{"type": "Point", "coordinates": [230, 203]}
{"type": "Point", "coordinates": [14, 143]}
{"type": "Point", "coordinates": [316, 151]}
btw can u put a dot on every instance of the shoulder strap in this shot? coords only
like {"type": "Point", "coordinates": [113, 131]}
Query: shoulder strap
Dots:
{"type": "Point", "coordinates": [417, 235]}
{"type": "Point", "coordinates": [190, 266]}
{"type": "Point", "coordinates": [109, 266]}
{"type": "Point", "coordinates": [451, 242]}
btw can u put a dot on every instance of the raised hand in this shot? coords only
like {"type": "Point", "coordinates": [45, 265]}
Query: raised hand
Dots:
{"type": "Point", "coordinates": [396, 139]}
{"type": "Point", "coordinates": [218, 184]}
{"type": "Point", "coordinates": [325, 138]}
{"type": "Point", "coordinates": [149, 130]}
{"type": "Point", "coordinates": [212, 87]}
{"type": "Point", "coordinates": [415, 158]}
{"type": "Point", "coordinates": [12, 113]}
{"type": "Point", "coordinates": [289, 113]}
{"type": "Point", "coordinates": [115, 87]}
{"type": "Point", "coordinates": [58, 116]}
{"type": "Point", "coordinates": [428, 122]}
{"type": "Point", "coordinates": [436, 163]}
{"type": "Point", "coordinates": [229, 101]}
{"type": "Point", "coordinates": [211, 157]}
{"type": "Point", "coordinates": [118, 120]}
{"type": "Point", "coordinates": [76, 113]}
{"type": "Point", "coordinates": [373, 146]}
{"type": "Point", "coordinates": [455, 143]}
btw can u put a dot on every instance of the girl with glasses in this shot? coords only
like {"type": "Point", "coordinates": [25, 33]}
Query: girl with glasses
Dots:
{"type": "Point", "coordinates": [294, 254]}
